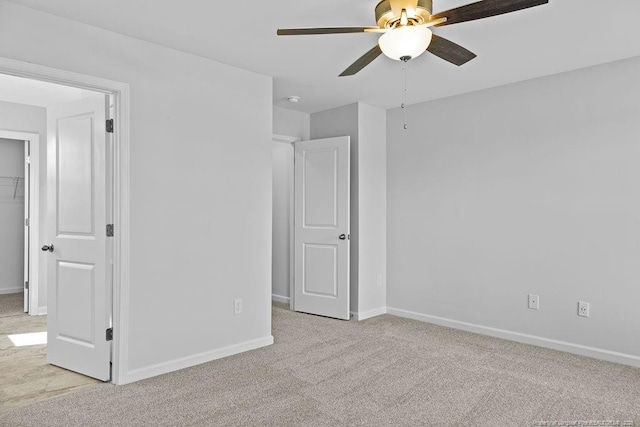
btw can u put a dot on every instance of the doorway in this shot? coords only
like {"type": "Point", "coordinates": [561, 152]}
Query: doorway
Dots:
{"type": "Point", "coordinates": [118, 271]}
{"type": "Point", "coordinates": [26, 343]}
{"type": "Point", "coordinates": [14, 234]}
{"type": "Point", "coordinates": [282, 220]}
{"type": "Point", "coordinates": [311, 219]}
{"type": "Point", "coordinates": [19, 218]}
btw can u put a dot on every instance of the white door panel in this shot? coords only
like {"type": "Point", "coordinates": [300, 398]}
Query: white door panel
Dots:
{"type": "Point", "coordinates": [75, 177]}
{"type": "Point", "coordinates": [78, 305]}
{"type": "Point", "coordinates": [322, 227]}
{"type": "Point", "coordinates": [318, 279]}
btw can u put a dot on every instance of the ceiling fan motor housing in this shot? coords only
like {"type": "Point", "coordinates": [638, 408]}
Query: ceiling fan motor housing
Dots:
{"type": "Point", "coordinates": [387, 19]}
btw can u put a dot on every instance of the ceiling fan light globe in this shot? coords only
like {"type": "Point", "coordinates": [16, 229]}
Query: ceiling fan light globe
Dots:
{"type": "Point", "coordinates": [410, 41]}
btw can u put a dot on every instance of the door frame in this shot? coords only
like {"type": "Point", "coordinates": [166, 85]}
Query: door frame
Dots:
{"type": "Point", "coordinates": [291, 140]}
{"type": "Point", "coordinates": [34, 212]}
{"type": "Point", "coordinates": [121, 192]}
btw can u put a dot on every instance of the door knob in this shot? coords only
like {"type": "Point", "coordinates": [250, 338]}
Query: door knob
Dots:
{"type": "Point", "coordinates": [342, 237]}
{"type": "Point", "coordinates": [47, 248]}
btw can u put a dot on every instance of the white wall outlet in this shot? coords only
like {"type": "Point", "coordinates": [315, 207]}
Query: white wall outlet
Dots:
{"type": "Point", "coordinates": [237, 306]}
{"type": "Point", "coordinates": [534, 302]}
{"type": "Point", "coordinates": [583, 309]}
{"type": "Point", "coordinates": [379, 281]}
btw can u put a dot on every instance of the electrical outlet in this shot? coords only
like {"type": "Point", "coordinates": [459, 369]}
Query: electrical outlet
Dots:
{"type": "Point", "coordinates": [379, 281]}
{"type": "Point", "coordinates": [583, 309]}
{"type": "Point", "coordinates": [237, 306]}
{"type": "Point", "coordinates": [534, 302]}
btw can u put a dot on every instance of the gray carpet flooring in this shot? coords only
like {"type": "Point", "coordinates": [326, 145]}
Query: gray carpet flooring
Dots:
{"type": "Point", "coordinates": [384, 371]}
{"type": "Point", "coordinates": [11, 304]}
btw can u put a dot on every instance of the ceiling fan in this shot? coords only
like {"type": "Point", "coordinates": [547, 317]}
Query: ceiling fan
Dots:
{"type": "Point", "coordinates": [405, 28]}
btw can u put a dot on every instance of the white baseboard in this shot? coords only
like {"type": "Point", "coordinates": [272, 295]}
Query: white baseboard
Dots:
{"type": "Point", "coordinates": [280, 298]}
{"type": "Point", "coordinates": [42, 311]}
{"type": "Point", "coordinates": [11, 291]}
{"type": "Point", "coordinates": [196, 359]}
{"type": "Point", "coordinates": [582, 350]}
{"type": "Point", "coordinates": [368, 314]}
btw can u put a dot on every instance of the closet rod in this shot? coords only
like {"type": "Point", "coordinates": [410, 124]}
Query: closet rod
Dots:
{"type": "Point", "coordinates": [15, 179]}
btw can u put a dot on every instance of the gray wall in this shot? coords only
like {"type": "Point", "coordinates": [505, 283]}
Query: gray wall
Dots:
{"type": "Point", "coordinates": [30, 119]}
{"type": "Point", "coordinates": [528, 188]}
{"type": "Point", "coordinates": [11, 217]}
{"type": "Point", "coordinates": [200, 187]}
{"type": "Point", "coordinates": [291, 123]}
{"type": "Point", "coordinates": [372, 207]}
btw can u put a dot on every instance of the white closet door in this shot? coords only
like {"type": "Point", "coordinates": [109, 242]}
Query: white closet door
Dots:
{"type": "Point", "coordinates": [322, 227]}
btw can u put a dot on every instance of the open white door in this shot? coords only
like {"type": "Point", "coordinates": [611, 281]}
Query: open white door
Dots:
{"type": "Point", "coordinates": [27, 207]}
{"type": "Point", "coordinates": [78, 307]}
{"type": "Point", "coordinates": [322, 227]}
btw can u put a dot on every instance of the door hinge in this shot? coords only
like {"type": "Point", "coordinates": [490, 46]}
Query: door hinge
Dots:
{"type": "Point", "coordinates": [26, 284]}
{"type": "Point", "coordinates": [109, 230]}
{"type": "Point", "coordinates": [26, 222]}
{"type": "Point", "coordinates": [109, 334]}
{"type": "Point", "coordinates": [110, 126]}
{"type": "Point", "coordinates": [27, 160]}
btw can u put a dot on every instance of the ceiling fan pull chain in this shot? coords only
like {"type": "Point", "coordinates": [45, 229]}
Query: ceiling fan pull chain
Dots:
{"type": "Point", "coordinates": [404, 94]}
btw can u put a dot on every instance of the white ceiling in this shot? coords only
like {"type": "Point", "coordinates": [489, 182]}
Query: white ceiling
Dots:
{"type": "Point", "coordinates": [34, 92]}
{"type": "Point", "coordinates": [560, 36]}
